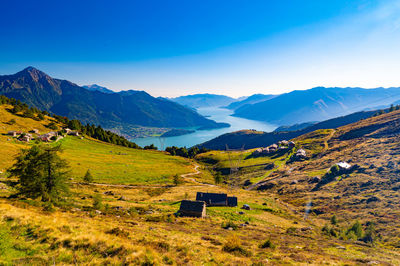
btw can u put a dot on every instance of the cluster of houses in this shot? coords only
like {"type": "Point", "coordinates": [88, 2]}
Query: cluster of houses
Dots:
{"type": "Point", "coordinates": [22, 136]}
{"type": "Point", "coordinates": [197, 208]}
{"type": "Point", "coordinates": [282, 145]}
{"type": "Point", "coordinates": [26, 137]}
{"type": "Point", "coordinates": [300, 155]}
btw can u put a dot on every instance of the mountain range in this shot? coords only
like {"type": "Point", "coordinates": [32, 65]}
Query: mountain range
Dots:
{"type": "Point", "coordinates": [204, 100]}
{"type": "Point", "coordinates": [98, 105]}
{"type": "Point", "coordinates": [255, 98]}
{"type": "Point", "coordinates": [317, 104]}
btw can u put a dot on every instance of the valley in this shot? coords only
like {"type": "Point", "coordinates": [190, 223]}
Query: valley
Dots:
{"type": "Point", "coordinates": [126, 214]}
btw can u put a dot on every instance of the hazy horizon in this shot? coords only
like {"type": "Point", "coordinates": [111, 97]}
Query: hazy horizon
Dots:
{"type": "Point", "coordinates": [177, 49]}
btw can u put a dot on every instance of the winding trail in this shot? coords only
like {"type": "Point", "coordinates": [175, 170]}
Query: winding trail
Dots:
{"type": "Point", "coordinates": [186, 176]}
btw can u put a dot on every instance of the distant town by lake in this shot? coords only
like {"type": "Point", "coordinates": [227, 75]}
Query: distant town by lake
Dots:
{"type": "Point", "coordinates": [200, 136]}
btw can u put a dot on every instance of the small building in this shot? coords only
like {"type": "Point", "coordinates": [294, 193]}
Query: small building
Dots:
{"type": "Point", "coordinates": [73, 133]}
{"type": "Point", "coordinates": [213, 199]}
{"type": "Point", "coordinates": [45, 138]}
{"type": "Point", "coordinates": [273, 148]}
{"type": "Point", "coordinates": [301, 154]}
{"type": "Point", "coordinates": [12, 133]}
{"type": "Point", "coordinates": [217, 199]}
{"type": "Point", "coordinates": [258, 151]}
{"type": "Point", "coordinates": [52, 133]}
{"type": "Point", "coordinates": [291, 144]}
{"type": "Point", "coordinates": [283, 143]}
{"type": "Point", "coordinates": [67, 130]}
{"type": "Point", "coordinates": [26, 138]}
{"type": "Point", "coordinates": [232, 201]}
{"type": "Point", "coordinates": [192, 208]}
{"type": "Point", "coordinates": [343, 165]}
{"type": "Point", "coordinates": [265, 151]}
{"type": "Point", "coordinates": [35, 131]}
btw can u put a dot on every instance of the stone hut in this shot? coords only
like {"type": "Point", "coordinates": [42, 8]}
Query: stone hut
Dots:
{"type": "Point", "coordinates": [192, 208]}
{"type": "Point", "coordinates": [213, 199]}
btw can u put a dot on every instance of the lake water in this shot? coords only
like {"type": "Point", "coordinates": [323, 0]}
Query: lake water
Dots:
{"type": "Point", "coordinates": [216, 114]}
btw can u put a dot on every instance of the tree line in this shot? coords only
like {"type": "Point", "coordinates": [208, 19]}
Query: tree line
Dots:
{"type": "Point", "coordinates": [184, 152]}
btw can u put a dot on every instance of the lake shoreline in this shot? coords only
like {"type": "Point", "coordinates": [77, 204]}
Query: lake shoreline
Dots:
{"type": "Point", "coordinates": [218, 114]}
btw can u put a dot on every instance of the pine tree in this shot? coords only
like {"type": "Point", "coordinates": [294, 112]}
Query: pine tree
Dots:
{"type": "Point", "coordinates": [88, 177]}
{"type": "Point", "coordinates": [41, 173]}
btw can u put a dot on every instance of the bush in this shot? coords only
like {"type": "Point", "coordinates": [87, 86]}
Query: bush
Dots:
{"type": "Point", "coordinates": [218, 178]}
{"type": "Point", "coordinates": [356, 230]}
{"type": "Point", "coordinates": [268, 244]}
{"type": "Point", "coordinates": [97, 202]}
{"type": "Point", "coordinates": [334, 220]}
{"type": "Point", "coordinates": [178, 180]}
{"type": "Point", "coordinates": [291, 230]}
{"type": "Point", "coordinates": [370, 233]}
{"type": "Point", "coordinates": [118, 232]}
{"type": "Point", "coordinates": [234, 245]}
{"type": "Point", "coordinates": [229, 224]}
{"type": "Point", "coordinates": [88, 177]}
{"type": "Point", "coordinates": [52, 126]}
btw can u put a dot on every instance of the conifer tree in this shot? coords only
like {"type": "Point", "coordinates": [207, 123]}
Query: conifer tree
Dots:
{"type": "Point", "coordinates": [41, 173]}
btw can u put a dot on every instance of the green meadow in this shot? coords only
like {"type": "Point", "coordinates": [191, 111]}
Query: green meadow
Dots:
{"type": "Point", "coordinates": [114, 164]}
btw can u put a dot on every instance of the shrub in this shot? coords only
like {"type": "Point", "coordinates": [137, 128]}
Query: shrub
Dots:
{"type": "Point", "coordinates": [370, 233]}
{"type": "Point", "coordinates": [177, 180]}
{"type": "Point", "coordinates": [88, 177]}
{"type": "Point", "coordinates": [52, 126]}
{"type": "Point", "coordinates": [229, 224]}
{"type": "Point", "coordinates": [118, 232]}
{"type": "Point", "coordinates": [234, 245]}
{"type": "Point", "coordinates": [268, 244]}
{"type": "Point", "coordinates": [218, 178]}
{"type": "Point", "coordinates": [334, 220]}
{"type": "Point", "coordinates": [167, 260]}
{"type": "Point", "coordinates": [291, 230]}
{"type": "Point", "coordinates": [357, 229]}
{"type": "Point", "coordinates": [97, 202]}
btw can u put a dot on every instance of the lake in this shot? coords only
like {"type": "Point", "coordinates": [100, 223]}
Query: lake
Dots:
{"type": "Point", "coordinates": [216, 114]}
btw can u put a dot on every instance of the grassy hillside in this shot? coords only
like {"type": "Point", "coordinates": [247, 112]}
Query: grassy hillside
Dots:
{"type": "Point", "coordinates": [108, 163]}
{"type": "Point", "coordinates": [119, 165]}
{"type": "Point", "coordinates": [9, 147]}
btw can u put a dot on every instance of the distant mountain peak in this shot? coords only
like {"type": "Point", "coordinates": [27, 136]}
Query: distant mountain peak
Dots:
{"type": "Point", "coordinates": [34, 73]}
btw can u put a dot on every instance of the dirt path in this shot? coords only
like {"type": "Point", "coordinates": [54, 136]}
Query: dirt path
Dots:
{"type": "Point", "coordinates": [186, 176]}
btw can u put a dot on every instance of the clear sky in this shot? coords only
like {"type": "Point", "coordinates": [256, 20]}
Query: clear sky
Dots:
{"type": "Point", "coordinates": [171, 48]}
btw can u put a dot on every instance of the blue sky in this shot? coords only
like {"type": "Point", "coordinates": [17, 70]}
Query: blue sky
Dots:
{"type": "Point", "coordinates": [172, 48]}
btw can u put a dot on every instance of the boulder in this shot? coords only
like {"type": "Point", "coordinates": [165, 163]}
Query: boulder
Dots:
{"type": "Point", "coordinates": [246, 207]}
{"type": "Point", "coordinates": [315, 179]}
{"type": "Point", "coordinates": [265, 186]}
